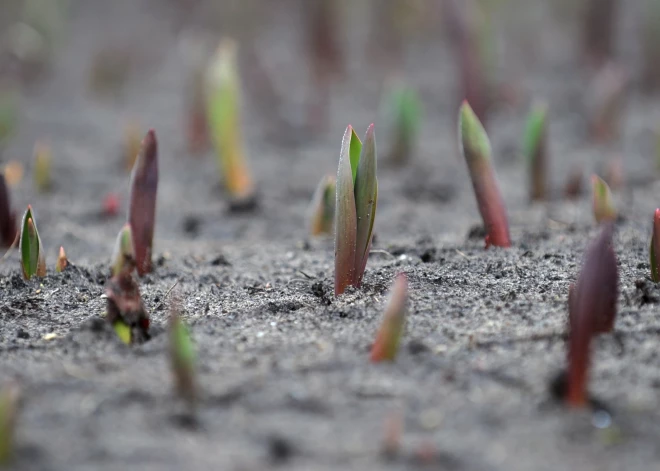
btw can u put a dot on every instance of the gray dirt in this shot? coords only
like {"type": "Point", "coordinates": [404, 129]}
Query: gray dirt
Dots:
{"type": "Point", "coordinates": [283, 364]}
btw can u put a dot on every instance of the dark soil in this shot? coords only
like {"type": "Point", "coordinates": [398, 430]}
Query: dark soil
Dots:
{"type": "Point", "coordinates": [283, 364]}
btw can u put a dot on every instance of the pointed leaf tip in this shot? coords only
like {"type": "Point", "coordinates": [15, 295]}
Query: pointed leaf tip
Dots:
{"type": "Point", "coordinates": [603, 204]}
{"type": "Point", "coordinates": [388, 338]}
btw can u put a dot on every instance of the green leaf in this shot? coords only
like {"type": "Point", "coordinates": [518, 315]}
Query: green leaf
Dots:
{"type": "Point", "coordinates": [603, 204]}
{"type": "Point", "coordinates": [123, 332]}
{"type": "Point", "coordinates": [355, 152]}
{"type": "Point", "coordinates": [389, 334]}
{"type": "Point", "coordinates": [345, 218]}
{"type": "Point", "coordinates": [123, 257]}
{"type": "Point", "coordinates": [32, 259]}
{"type": "Point", "coordinates": [366, 192]}
{"type": "Point", "coordinates": [182, 358]}
{"type": "Point", "coordinates": [534, 131]}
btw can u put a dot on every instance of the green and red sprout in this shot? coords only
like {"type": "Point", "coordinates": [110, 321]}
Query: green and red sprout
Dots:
{"type": "Point", "coordinates": [33, 262]}
{"type": "Point", "coordinates": [592, 311]}
{"type": "Point", "coordinates": [388, 339]}
{"type": "Point", "coordinates": [322, 208]}
{"type": "Point", "coordinates": [475, 147]}
{"type": "Point", "coordinates": [535, 148]}
{"type": "Point", "coordinates": [125, 309]}
{"type": "Point", "coordinates": [123, 255]}
{"type": "Point", "coordinates": [224, 121]}
{"type": "Point", "coordinates": [404, 115]}
{"type": "Point", "coordinates": [62, 261]}
{"type": "Point", "coordinates": [8, 230]}
{"type": "Point", "coordinates": [655, 248]}
{"type": "Point", "coordinates": [603, 203]}
{"type": "Point", "coordinates": [142, 210]}
{"type": "Point", "coordinates": [182, 360]}
{"type": "Point", "coordinates": [355, 208]}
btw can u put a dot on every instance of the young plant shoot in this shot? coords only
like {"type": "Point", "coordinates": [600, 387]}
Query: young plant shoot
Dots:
{"type": "Point", "coordinates": [182, 360]}
{"type": "Point", "coordinates": [605, 101]}
{"type": "Point", "coordinates": [473, 44]}
{"type": "Point", "coordinates": [655, 248]}
{"type": "Point", "coordinates": [475, 147]}
{"type": "Point", "coordinates": [535, 149]}
{"type": "Point", "coordinates": [592, 310]}
{"type": "Point", "coordinates": [651, 45]}
{"type": "Point", "coordinates": [142, 211]}
{"type": "Point", "coordinates": [32, 252]}
{"type": "Point", "coordinates": [9, 409]}
{"type": "Point", "coordinates": [404, 113]}
{"type": "Point", "coordinates": [8, 230]}
{"type": "Point", "coordinates": [123, 257]}
{"type": "Point", "coordinates": [355, 208]}
{"type": "Point", "coordinates": [599, 21]}
{"type": "Point", "coordinates": [322, 209]}
{"type": "Point", "coordinates": [604, 209]}
{"type": "Point", "coordinates": [62, 261]}
{"type": "Point", "coordinates": [224, 120]}
{"type": "Point", "coordinates": [125, 310]}
{"type": "Point", "coordinates": [389, 334]}
{"type": "Point", "coordinates": [42, 165]}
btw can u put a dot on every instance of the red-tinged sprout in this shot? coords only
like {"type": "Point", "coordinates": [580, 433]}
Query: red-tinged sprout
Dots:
{"type": "Point", "coordinates": [592, 310]}
{"type": "Point", "coordinates": [197, 132]}
{"type": "Point", "coordinates": [355, 208]}
{"type": "Point", "coordinates": [386, 346]}
{"type": "Point", "coordinates": [651, 45]}
{"type": "Point", "coordinates": [42, 166]}
{"type": "Point", "coordinates": [322, 208]}
{"type": "Point", "coordinates": [605, 102]}
{"type": "Point", "coordinates": [655, 248]}
{"type": "Point", "coordinates": [13, 173]}
{"type": "Point", "coordinates": [62, 261]}
{"type": "Point", "coordinates": [573, 188]}
{"type": "Point", "coordinates": [325, 56]}
{"type": "Point", "coordinates": [111, 205]}
{"type": "Point", "coordinates": [8, 231]}
{"type": "Point", "coordinates": [10, 395]}
{"type": "Point", "coordinates": [142, 211]}
{"type": "Point", "coordinates": [125, 307]}
{"type": "Point", "coordinates": [469, 29]}
{"type": "Point", "coordinates": [603, 204]}
{"type": "Point", "coordinates": [33, 262]}
{"type": "Point", "coordinates": [475, 147]}
{"type": "Point", "coordinates": [535, 149]}
{"type": "Point", "coordinates": [599, 27]}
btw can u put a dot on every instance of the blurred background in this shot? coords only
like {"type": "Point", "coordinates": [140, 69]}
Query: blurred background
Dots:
{"type": "Point", "coordinates": [87, 77]}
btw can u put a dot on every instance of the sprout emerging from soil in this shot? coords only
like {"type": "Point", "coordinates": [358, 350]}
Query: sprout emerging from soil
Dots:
{"type": "Point", "coordinates": [475, 147]}
{"type": "Point", "coordinates": [604, 209]}
{"type": "Point", "coordinates": [62, 261]}
{"type": "Point", "coordinates": [404, 115]}
{"type": "Point", "coordinates": [473, 43]}
{"type": "Point", "coordinates": [605, 102]}
{"type": "Point", "coordinates": [536, 152]}
{"type": "Point", "coordinates": [9, 409]}
{"type": "Point", "coordinates": [197, 135]}
{"type": "Point", "coordinates": [123, 257]}
{"type": "Point", "coordinates": [322, 214]}
{"type": "Point", "coordinates": [325, 57]}
{"type": "Point", "coordinates": [599, 21]}
{"type": "Point", "coordinates": [32, 253]}
{"type": "Point", "coordinates": [651, 45]}
{"type": "Point", "coordinates": [573, 188]}
{"type": "Point", "coordinates": [142, 211]}
{"type": "Point", "coordinates": [182, 360]}
{"type": "Point", "coordinates": [389, 334]}
{"type": "Point", "coordinates": [8, 230]}
{"type": "Point", "coordinates": [42, 165]}
{"type": "Point", "coordinates": [592, 310]}
{"type": "Point", "coordinates": [125, 310]}
{"type": "Point", "coordinates": [132, 144]}
{"type": "Point", "coordinates": [355, 207]}
{"type": "Point", "coordinates": [224, 119]}
{"type": "Point", "coordinates": [655, 248]}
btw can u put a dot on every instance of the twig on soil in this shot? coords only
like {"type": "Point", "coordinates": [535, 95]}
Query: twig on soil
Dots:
{"type": "Point", "coordinates": [167, 293]}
